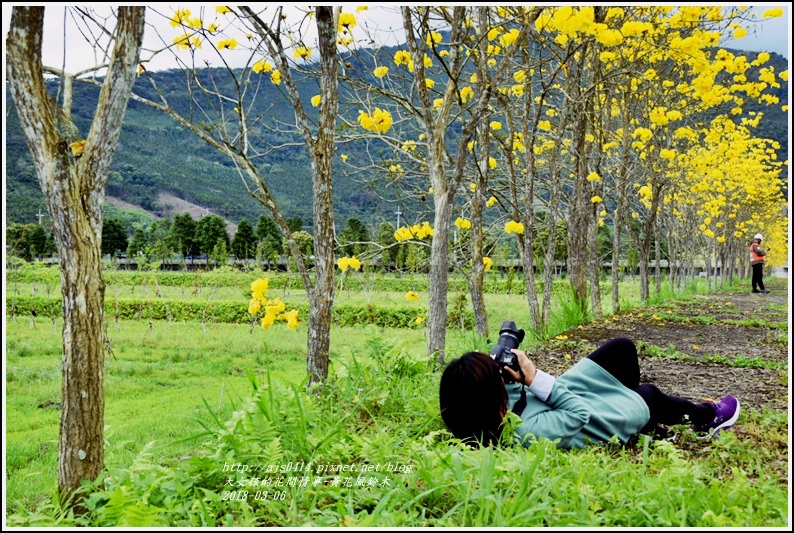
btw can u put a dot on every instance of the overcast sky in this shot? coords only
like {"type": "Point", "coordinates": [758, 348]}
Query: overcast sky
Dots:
{"type": "Point", "coordinates": [770, 35]}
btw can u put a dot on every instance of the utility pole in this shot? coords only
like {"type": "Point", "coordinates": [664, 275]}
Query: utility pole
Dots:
{"type": "Point", "coordinates": [398, 213]}
{"type": "Point", "coordinates": [40, 215]}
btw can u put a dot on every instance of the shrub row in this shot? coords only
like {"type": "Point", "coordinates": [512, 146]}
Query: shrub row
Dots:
{"type": "Point", "coordinates": [228, 311]}
{"type": "Point", "coordinates": [494, 283]}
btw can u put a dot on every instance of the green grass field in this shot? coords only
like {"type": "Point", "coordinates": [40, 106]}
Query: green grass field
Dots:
{"type": "Point", "coordinates": [239, 389]}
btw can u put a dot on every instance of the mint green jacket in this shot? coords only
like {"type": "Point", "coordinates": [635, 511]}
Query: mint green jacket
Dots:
{"type": "Point", "coordinates": [587, 405]}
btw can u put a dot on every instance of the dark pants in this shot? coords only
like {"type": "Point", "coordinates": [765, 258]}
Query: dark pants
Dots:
{"type": "Point", "coordinates": [619, 358]}
{"type": "Point", "coordinates": [758, 277]}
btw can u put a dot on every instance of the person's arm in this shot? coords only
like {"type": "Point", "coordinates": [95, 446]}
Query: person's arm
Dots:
{"type": "Point", "coordinates": [568, 414]}
{"type": "Point", "coordinates": [759, 250]}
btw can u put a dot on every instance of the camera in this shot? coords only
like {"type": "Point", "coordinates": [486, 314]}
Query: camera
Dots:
{"type": "Point", "coordinates": [509, 338]}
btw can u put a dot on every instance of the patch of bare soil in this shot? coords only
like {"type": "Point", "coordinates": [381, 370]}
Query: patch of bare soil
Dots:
{"type": "Point", "coordinates": [705, 347]}
{"type": "Point", "coordinates": [121, 204]}
{"type": "Point", "coordinates": [170, 205]}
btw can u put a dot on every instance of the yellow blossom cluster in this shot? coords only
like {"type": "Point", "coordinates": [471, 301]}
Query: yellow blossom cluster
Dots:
{"type": "Point", "coordinates": [403, 57]}
{"type": "Point", "coordinates": [77, 148]}
{"type": "Point", "coordinates": [466, 94]}
{"type": "Point", "coordinates": [514, 227]}
{"type": "Point", "coordinates": [463, 223]}
{"type": "Point", "coordinates": [261, 67]}
{"type": "Point", "coordinates": [569, 22]}
{"type": "Point", "coordinates": [186, 42]}
{"type": "Point", "coordinates": [409, 145]}
{"type": "Point", "coordinates": [302, 52]}
{"type": "Point", "coordinates": [379, 122]}
{"type": "Point", "coordinates": [417, 231]}
{"type": "Point", "coordinates": [227, 44]}
{"type": "Point", "coordinates": [345, 263]}
{"type": "Point", "coordinates": [433, 37]}
{"type": "Point", "coordinates": [346, 22]}
{"type": "Point", "coordinates": [273, 309]}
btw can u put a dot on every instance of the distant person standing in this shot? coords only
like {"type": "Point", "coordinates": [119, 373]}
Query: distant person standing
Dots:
{"type": "Point", "coordinates": [757, 259]}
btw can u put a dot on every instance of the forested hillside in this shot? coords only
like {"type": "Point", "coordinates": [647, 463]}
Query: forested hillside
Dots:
{"type": "Point", "coordinates": [155, 154]}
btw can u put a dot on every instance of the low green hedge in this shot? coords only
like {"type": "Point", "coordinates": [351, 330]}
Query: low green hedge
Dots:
{"type": "Point", "coordinates": [494, 283]}
{"type": "Point", "coordinates": [228, 311]}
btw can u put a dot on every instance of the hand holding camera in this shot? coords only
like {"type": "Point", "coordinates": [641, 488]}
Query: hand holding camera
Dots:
{"type": "Point", "coordinates": [512, 361]}
{"type": "Point", "coordinates": [527, 367]}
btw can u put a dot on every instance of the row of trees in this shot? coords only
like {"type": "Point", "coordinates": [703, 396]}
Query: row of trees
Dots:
{"type": "Point", "coordinates": [557, 117]}
{"type": "Point", "coordinates": [598, 118]}
{"type": "Point", "coordinates": [186, 237]}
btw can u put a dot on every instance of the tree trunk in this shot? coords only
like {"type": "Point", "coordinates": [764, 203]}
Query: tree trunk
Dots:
{"type": "Point", "coordinates": [594, 272]}
{"type": "Point", "coordinates": [322, 294]}
{"type": "Point", "coordinates": [439, 278]}
{"type": "Point", "coordinates": [658, 265]}
{"type": "Point", "coordinates": [478, 273]}
{"type": "Point", "coordinates": [644, 258]}
{"type": "Point", "coordinates": [477, 267]}
{"type": "Point", "coordinates": [616, 261]}
{"type": "Point", "coordinates": [81, 441]}
{"type": "Point", "coordinates": [621, 213]}
{"type": "Point", "coordinates": [74, 189]}
{"type": "Point", "coordinates": [580, 209]}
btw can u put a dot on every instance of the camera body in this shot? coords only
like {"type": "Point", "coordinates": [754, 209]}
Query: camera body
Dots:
{"type": "Point", "coordinates": [510, 337]}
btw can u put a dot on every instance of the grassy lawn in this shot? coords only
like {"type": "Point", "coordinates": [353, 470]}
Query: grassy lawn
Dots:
{"type": "Point", "coordinates": [155, 383]}
{"type": "Point", "coordinates": [165, 380]}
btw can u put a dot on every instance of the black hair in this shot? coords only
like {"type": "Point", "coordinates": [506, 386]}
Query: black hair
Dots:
{"type": "Point", "coordinates": [473, 399]}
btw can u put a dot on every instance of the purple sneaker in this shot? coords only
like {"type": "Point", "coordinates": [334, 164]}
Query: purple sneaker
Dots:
{"type": "Point", "coordinates": [726, 413]}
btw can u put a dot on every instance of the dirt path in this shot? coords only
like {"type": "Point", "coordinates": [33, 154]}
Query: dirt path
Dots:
{"type": "Point", "coordinates": [706, 347]}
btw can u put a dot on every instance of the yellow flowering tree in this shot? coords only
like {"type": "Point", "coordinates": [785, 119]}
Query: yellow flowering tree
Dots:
{"type": "Point", "coordinates": [273, 44]}
{"type": "Point", "coordinates": [595, 133]}
{"type": "Point", "coordinates": [729, 190]}
{"type": "Point", "coordinates": [431, 72]}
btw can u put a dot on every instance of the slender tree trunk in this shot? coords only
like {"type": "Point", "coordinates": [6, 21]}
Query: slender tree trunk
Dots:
{"type": "Point", "coordinates": [322, 294]}
{"type": "Point", "coordinates": [74, 189]}
{"type": "Point", "coordinates": [707, 260]}
{"type": "Point", "coordinates": [439, 279]}
{"type": "Point", "coordinates": [477, 237]}
{"type": "Point", "coordinates": [645, 257]}
{"type": "Point", "coordinates": [594, 272]}
{"type": "Point", "coordinates": [671, 260]}
{"type": "Point", "coordinates": [549, 267]}
{"type": "Point", "coordinates": [581, 206]}
{"type": "Point", "coordinates": [658, 265]}
{"type": "Point", "coordinates": [616, 263]}
{"type": "Point", "coordinates": [621, 213]}
{"type": "Point", "coordinates": [646, 240]}
{"type": "Point", "coordinates": [526, 241]}
{"type": "Point", "coordinates": [555, 184]}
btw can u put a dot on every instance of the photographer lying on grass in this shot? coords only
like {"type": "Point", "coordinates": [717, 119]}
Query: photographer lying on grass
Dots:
{"type": "Point", "coordinates": [598, 398]}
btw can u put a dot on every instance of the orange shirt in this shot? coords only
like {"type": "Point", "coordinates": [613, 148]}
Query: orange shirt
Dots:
{"type": "Point", "coordinates": [756, 254]}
